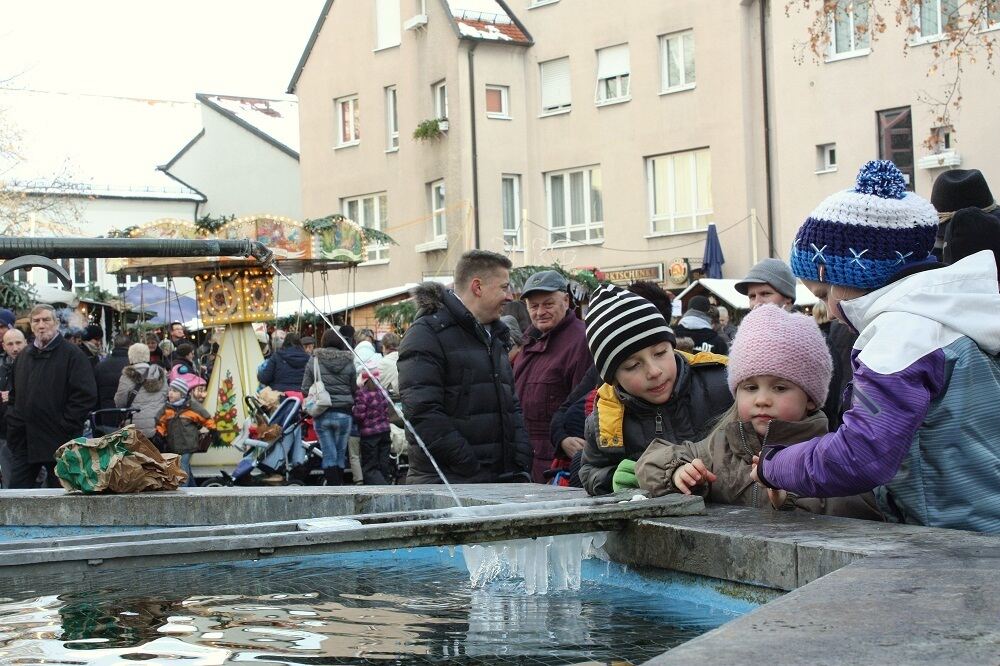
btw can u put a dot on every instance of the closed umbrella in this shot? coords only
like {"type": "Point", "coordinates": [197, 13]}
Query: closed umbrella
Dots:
{"type": "Point", "coordinates": [713, 259]}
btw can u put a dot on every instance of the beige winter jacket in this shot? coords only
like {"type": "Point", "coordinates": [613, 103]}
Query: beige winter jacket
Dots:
{"type": "Point", "coordinates": [729, 453]}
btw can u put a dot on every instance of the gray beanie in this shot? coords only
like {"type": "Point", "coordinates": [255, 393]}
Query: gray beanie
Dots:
{"type": "Point", "coordinates": [516, 336]}
{"type": "Point", "coordinates": [770, 271]}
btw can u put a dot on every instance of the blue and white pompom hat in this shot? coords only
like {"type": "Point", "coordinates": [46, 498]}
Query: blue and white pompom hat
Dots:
{"type": "Point", "coordinates": [863, 236]}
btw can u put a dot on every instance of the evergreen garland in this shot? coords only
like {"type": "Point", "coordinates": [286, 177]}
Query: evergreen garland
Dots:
{"type": "Point", "coordinates": [16, 295]}
{"type": "Point", "coordinates": [206, 224]}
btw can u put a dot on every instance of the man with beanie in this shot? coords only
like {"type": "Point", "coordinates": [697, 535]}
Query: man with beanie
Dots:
{"type": "Point", "coordinates": [971, 230]}
{"type": "Point", "coordinates": [769, 281]}
{"type": "Point", "coordinates": [553, 361]}
{"type": "Point", "coordinates": [954, 190]}
{"type": "Point", "coordinates": [697, 325]}
{"type": "Point", "coordinates": [455, 381]}
{"type": "Point", "coordinates": [649, 392]}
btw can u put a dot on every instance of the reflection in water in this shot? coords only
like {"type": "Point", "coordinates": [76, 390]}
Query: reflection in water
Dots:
{"type": "Point", "coordinates": [415, 607]}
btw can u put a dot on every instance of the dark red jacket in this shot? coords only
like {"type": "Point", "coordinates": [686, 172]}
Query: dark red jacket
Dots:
{"type": "Point", "coordinates": [545, 372]}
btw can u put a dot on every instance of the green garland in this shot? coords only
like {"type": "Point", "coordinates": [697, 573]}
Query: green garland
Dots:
{"type": "Point", "coordinates": [397, 315]}
{"type": "Point", "coordinates": [371, 236]}
{"type": "Point", "coordinates": [585, 278]}
{"type": "Point", "coordinates": [123, 233]}
{"type": "Point", "coordinates": [94, 292]}
{"type": "Point", "coordinates": [16, 295]}
{"type": "Point", "coordinates": [293, 321]}
{"type": "Point", "coordinates": [206, 224]}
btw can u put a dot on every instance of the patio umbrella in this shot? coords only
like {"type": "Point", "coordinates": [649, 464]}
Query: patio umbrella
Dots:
{"type": "Point", "coordinates": [713, 259]}
{"type": "Point", "coordinates": [166, 303]}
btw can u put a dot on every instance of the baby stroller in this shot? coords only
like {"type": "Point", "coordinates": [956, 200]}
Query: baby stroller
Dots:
{"type": "Point", "coordinates": [100, 419]}
{"type": "Point", "coordinates": [277, 455]}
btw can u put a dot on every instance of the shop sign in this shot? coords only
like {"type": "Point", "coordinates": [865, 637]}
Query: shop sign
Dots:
{"type": "Point", "coordinates": [678, 272]}
{"type": "Point", "coordinates": [627, 274]}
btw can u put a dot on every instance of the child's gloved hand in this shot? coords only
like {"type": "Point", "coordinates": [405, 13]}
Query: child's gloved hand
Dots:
{"type": "Point", "coordinates": [691, 475]}
{"type": "Point", "coordinates": [624, 476]}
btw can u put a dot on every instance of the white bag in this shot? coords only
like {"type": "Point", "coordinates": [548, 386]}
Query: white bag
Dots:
{"type": "Point", "coordinates": [318, 399]}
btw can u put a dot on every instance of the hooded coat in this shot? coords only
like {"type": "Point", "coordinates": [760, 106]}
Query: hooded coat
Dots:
{"type": "Point", "coordinates": [923, 429]}
{"type": "Point", "coordinates": [336, 369]}
{"type": "Point", "coordinates": [728, 453]}
{"type": "Point", "coordinates": [151, 397]}
{"type": "Point", "coordinates": [285, 369]}
{"type": "Point", "coordinates": [457, 390]}
{"type": "Point", "coordinates": [623, 426]}
{"type": "Point", "coordinates": [53, 393]}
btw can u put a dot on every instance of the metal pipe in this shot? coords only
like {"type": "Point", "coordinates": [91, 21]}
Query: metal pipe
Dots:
{"type": "Point", "coordinates": [771, 252]}
{"type": "Point", "coordinates": [85, 248]}
{"type": "Point", "coordinates": [475, 146]}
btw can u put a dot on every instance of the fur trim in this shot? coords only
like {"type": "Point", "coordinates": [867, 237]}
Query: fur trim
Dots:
{"type": "Point", "coordinates": [429, 297]}
{"type": "Point", "coordinates": [154, 383]}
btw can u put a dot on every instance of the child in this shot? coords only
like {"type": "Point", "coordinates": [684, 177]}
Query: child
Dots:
{"type": "Point", "coordinates": [649, 392]}
{"type": "Point", "coordinates": [179, 425]}
{"type": "Point", "coordinates": [779, 371]}
{"type": "Point", "coordinates": [372, 420]}
{"type": "Point", "coordinates": [923, 428]}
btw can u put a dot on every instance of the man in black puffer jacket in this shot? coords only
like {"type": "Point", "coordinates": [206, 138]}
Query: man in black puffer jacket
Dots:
{"type": "Point", "coordinates": [456, 383]}
{"type": "Point", "coordinates": [286, 368]}
{"type": "Point", "coordinates": [108, 373]}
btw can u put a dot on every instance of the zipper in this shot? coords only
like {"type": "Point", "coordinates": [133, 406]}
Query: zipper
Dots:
{"type": "Point", "coordinates": [755, 495]}
{"type": "Point", "coordinates": [659, 422]}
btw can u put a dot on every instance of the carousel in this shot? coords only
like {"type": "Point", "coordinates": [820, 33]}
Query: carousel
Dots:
{"type": "Point", "coordinates": [238, 292]}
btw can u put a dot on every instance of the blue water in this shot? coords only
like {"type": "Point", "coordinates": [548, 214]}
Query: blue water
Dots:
{"type": "Point", "coordinates": [404, 607]}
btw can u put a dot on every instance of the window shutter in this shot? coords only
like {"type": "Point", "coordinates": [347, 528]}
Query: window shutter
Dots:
{"type": "Point", "coordinates": [612, 61]}
{"type": "Point", "coordinates": [387, 23]}
{"type": "Point", "coordinates": [555, 83]}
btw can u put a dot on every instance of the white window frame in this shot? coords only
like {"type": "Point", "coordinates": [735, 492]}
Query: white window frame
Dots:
{"type": "Point", "coordinates": [391, 119]}
{"type": "Point", "coordinates": [920, 37]}
{"type": "Point", "coordinates": [355, 120]}
{"type": "Point", "coordinates": [440, 91]}
{"type": "Point", "coordinates": [943, 137]}
{"type": "Point", "coordinates": [593, 230]}
{"type": "Point", "coordinates": [826, 157]}
{"type": "Point", "coordinates": [377, 252]}
{"type": "Point", "coordinates": [564, 107]}
{"type": "Point", "coordinates": [992, 18]}
{"type": "Point", "coordinates": [385, 36]}
{"type": "Point", "coordinates": [512, 238]}
{"type": "Point", "coordinates": [439, 215]}
{"type": "Point", "coordinates": [616, 78]}
{"type": "Point", "coordinates": [540, 3]}
{"type": "Point", "coordinates": [854, 51]}
{"type": "Point", "coordinates": [685, 84]}
{"type": "Point", "coordinates": [672, 217]}
{"type": "Point", "coordinates": [504, 113]}
{"type": "Point", "coordinates": [91, 271]}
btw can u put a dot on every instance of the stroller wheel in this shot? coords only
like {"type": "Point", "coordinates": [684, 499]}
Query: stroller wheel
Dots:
{"type": "Point", "coordinates": [215, 482]}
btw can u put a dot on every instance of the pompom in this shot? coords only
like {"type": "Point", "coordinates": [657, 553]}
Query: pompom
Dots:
{"type": "Point", "coordinates": [881, 178]}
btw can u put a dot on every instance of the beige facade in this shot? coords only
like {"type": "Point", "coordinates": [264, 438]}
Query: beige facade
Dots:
{"type": "Point", "coordinates": [634, 178]}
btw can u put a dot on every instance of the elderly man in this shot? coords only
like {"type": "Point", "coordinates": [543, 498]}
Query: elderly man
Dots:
{"type": "Point", "coordinates": [13, 343]}
{"type": "Point", "coordinates": [53, 391]}
{"type": "Point", "coordinates": [555, 358]}
{"type": "Point", "coordinates": [770, 281]}
{"type": "Point", "coordinates": [456, 383]}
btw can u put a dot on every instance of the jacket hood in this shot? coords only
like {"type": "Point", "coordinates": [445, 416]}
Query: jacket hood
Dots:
{"type": "Point", "coordinates": [137, 373]}
{"type": "Point", "coordinates": [695, 320]}
{"type": "Point", "coordinates": [429, 297]}
{"type": "Point", "coordinates": [334, 358]}
{"type": "Point", "coordinates": [962, 298]}
{"type": "Point", "coordinates": [294, 356]}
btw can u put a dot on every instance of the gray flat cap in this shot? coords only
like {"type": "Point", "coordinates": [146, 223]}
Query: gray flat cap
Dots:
{"type": "Point", "coordinates": [770, 271]}
{"type": "Point", "coordinates": [545, 281]}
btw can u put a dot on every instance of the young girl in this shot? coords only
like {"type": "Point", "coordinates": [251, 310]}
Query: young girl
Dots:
{"type": "Point", "coordinates": [923, 429]}
{"type": "Point", "coordinates": [372, 419]}
{"type": "Point", "coordinates": [180, 423]}
{"type": "Point", "coordinates": [779, 372]}
{"type": "Point", "coordinates": [650, 391]}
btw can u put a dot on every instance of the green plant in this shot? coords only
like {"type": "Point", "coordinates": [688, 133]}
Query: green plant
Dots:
{"type": "Point", "coordinates": [206, 224]}
{"type": "Point", "coordinates": [429, 129]}
{"type": "Point", "coordinates": [397, 315]}
{"type": "Point", "coordinates": [94, 292]}
{"type": "Point", "coordinates": [16, 295]}
{"type": "Point", "coordinates": [586, 279]}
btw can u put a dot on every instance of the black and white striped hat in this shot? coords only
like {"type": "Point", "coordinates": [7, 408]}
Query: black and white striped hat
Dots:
{"type": "Point", "coordinates": [620, 323]}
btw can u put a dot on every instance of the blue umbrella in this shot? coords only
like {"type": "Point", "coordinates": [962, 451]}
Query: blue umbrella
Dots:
{"type": "Point", "coordinates": [713, 259]}
{"type": "Point", "coordinates": [166, 303]}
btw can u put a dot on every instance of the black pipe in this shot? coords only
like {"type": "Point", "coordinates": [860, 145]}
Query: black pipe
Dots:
{"type": "Point", "coordinates": [83, 248]}
{"type": "Point", "coordinates": [475, 149]}
{"type": "Point", "coordinates": [767, 131]}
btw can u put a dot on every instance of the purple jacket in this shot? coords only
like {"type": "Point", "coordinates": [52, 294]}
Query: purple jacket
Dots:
{"type": "Point", "coordinates": [370, 412]}
{"type": "Point", "coordinates": [545, 372]}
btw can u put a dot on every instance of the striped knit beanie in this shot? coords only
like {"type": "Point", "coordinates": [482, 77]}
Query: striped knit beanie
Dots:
{"type": "Point", "coordinates": [620, 323]}
{"type": "Point", "coordinates": [861, 237]}
{"type": "Point", "coordinates": [180, 386]}
{"type": "Point", "coordinates": [772, 341]}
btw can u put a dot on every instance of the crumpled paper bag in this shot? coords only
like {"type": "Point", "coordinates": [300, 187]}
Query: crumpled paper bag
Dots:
{"type": "Point", "coordinates": [124, 461]}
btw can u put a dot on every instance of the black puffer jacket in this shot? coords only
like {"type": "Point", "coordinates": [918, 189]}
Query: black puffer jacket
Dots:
{"type": "Point", "coordinates": [285, 369]}
{"type": "Point", "coordinates": [457, 389]}
{"type": "Point", "coordinates": [336, 369]}
{"type": "Point", "coordinates": [700, 396]}
{"type": "Point", "coordinates": [108, 372]}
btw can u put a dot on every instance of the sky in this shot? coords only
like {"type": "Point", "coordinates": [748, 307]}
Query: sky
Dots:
{"type": "Point", "coordinates": [159, 50]}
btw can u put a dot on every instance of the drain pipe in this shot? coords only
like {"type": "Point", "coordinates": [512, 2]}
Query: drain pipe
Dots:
{"type": "Point", "coordinates": [475, 148]}
{"type": "Point", "coordinates": [767, 131]}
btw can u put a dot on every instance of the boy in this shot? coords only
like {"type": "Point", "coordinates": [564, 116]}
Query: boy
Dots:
{"type": "Point", "coordinates": [179, 425]}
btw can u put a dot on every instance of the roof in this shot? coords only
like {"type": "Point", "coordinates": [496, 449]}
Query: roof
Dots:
{"type": "Point", "coordinates": [273, 120]}
{"type": "Point", "coordinates": [100, 146]}
{"type": "Point", "coordinates": [726, 290]}
{"type": "Point", "coordinates": [346, 301]}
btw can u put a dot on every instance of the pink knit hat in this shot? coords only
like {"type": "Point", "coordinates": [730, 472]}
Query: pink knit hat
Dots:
{"type": "Point", "coordinates": [772, 341]}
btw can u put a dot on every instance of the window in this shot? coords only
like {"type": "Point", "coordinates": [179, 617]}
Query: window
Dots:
{"type": "Point", "coordinates": [826, 157]}
{"type": "Point", "coordinates": [895, 140]}
{"type": "Point", "coordinates": [439, 218]}
{"type": "Point", "coordinates": [391, 119]}
{"type": "Point", "coordinates": [387, 24]}
{"type": "Point", "coordinates": [942, 139]}
{"type": "Point", "coordinates": [540, 3]}
{"type": "Point", "coordinates": [348, 119]}
{"type": "Point", "coordinates": [849, 28]}
{"type": "Point", "coordinates": [555, 86]}
{"type": "Point", "coordinates": [680, 191]}
{"type": "Point", "coordinates": [612, 74]}
{"type": "Point", "coordinates": [440, 99]}
{"type": "Point", "coordinates": [935, 17]}
{"type": "Point", "coordinates": [576, 205]}
{"type": "Point", "coordinates": [370, 211]}
{"type": "Point", "coordinates": [677, 61]}
{"type": "Point", "coordinates": [993, 14]}
{"type": "Point", "coordinates": [510, 200]}
{"type": "Point", "coordinates": [497, 102]}
{"type": "Point", "coordinates": [81, 271]}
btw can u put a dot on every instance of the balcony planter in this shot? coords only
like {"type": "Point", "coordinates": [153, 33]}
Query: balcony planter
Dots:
{"type": "Point", "coordinates": [433, 128]}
